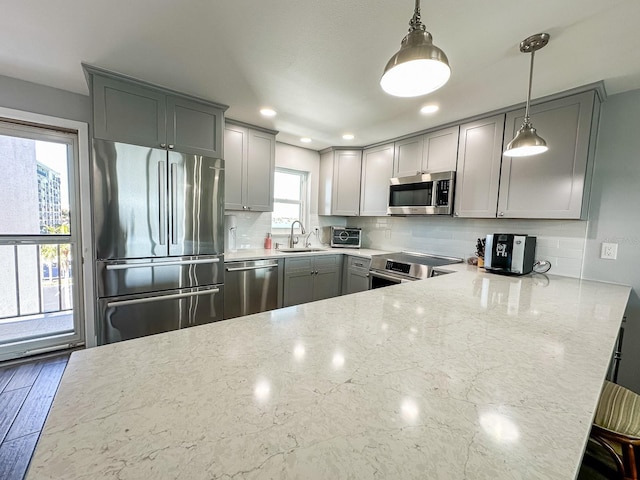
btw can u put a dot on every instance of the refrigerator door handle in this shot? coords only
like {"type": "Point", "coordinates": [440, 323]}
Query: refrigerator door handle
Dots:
{"type": "Point", "coordinates": [174, 202]}
{"type": "Point", "coordinates": [162, 201]}
{"type": "Point", "coordinates": [173, 296]}
{"type": "Point", "coordinates": [126, 266]}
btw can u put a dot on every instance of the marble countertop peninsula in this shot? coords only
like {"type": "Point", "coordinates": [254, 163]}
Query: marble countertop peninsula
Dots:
{"type": "Point", "coordinates": [462, 376]}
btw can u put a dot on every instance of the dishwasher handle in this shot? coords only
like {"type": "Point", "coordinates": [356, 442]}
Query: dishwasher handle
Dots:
{"type": "Point", "coordinates": [253, 267]}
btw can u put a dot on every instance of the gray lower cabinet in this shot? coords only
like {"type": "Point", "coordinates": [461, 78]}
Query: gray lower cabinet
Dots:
{"type": "Point", "coordinates": [311, 278]}
{"type": "Point", "coordinates": [478, 172]}
{"type": "Point", "coordinates": [356, 274]}
{"type": "Point", "coordinates": [377, 169]}
{"type": "Point", "coordinates": [249, 168]}
{"type": "Point", "coordinates": [554, 184]}
{"type": "Point", "coordinates": [130, 111]}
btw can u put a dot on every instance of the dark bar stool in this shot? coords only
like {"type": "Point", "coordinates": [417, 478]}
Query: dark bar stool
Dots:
{"type": "Point", "coordinates": [616, 427]}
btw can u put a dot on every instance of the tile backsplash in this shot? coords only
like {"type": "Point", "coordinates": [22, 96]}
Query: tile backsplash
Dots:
{"type": "Point", "coordinates": [562, 242]}
{"type": "Point", "coordinates": [252, 228]}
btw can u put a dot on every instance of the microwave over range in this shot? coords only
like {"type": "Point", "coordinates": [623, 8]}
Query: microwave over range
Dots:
{"type": "Point", "coordinates": [422, 194]}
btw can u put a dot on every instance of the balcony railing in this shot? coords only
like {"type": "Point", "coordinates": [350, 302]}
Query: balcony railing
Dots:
{"type": "Point", "coordinates": [35, 275]}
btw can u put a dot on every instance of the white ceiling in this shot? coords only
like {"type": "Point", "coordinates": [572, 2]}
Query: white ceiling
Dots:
{"type": "Point", "coordinates": [318, 62]}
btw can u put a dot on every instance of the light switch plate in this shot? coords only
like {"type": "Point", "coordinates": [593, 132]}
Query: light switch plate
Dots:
{"type": "Point", "coordinates": [609, 251]}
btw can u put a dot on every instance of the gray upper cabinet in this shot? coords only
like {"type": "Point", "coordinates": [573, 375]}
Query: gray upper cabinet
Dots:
{"type": "Point", "coordinates": [128, 113]}
{"type": "Point", "coordinates": [440, 150]}
{"type": "Point", "coordinates": [553, 184]}
{"type": "Point", "coordinates": [478, 172]}
{"type": "Point", "coordinates": [249, 168]}
{"type": "Point", "coordinates": [432, 152]}
{"type": "Point", "coordinates": [377, 169]}
{"type": "Point", "coordinates": [340, 182]}
{"type": "Point", "coordinates": [194, 127]}
{"type": "Point", "coordinates": [408, 156]}
{"type": "Point", "coordinates": [132, 111]}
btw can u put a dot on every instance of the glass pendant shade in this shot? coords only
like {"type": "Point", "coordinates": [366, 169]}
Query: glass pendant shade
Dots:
{"type": "Point", "coordinates": [418, 68]}
{"type": "Point", "coordinates": [526, 142]}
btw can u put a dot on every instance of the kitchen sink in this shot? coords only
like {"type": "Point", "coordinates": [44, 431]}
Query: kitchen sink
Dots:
{"type": "Point", "coordinates": [300, 250]}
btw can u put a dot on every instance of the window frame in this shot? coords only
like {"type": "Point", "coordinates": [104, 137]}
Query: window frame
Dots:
{"type": "Point", "coordinates": [304, 199]}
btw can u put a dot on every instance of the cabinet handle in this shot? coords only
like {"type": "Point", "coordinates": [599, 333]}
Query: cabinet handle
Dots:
{"type": "Point", "coordinates": [163, 145]}
{"type": "Point", "coordinates": [171, 147]}
{"type": "Point", "coordinates": [311, 272]}
{"type": "Point", "coordinates": [501, 214]}
{"type": "Point", "coordinates": [316, 272]}
{"type": "Point", "coordinates": [456, 214]}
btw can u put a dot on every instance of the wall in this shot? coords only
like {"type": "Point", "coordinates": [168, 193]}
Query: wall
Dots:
{"type": "Point", "coordinates": [615, 216]}
{"type": "Point", "coordinates": [252, 227]}
{"type": "Point", "coordinates": [31, 97]}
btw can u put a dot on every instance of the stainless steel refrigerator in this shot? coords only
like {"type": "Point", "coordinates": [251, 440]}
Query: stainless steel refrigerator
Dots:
{"type": "Point", "coordinates": [159, 240]}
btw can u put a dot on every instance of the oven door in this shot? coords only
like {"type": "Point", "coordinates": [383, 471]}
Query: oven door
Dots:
{"type": "Point", "coordinates": [380, 279]}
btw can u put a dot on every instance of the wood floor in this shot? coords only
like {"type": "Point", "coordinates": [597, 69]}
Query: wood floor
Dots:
{"type": "Point", "coordinates": [27, 391]}
{"type": "Point", "coordinates": [26, 394]}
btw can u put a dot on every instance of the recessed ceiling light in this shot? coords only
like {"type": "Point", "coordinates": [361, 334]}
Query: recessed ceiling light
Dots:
{"type": "Point", "coordinates": [427, 109]}
{"type": "Point", "coordinates": [305, 140]}
{"type": "Point", "coordinates": [268, 112]}
{"type": "Point", "coordinates": [348, 136]}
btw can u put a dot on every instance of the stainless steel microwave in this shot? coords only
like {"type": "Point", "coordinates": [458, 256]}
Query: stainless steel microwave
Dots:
{"type": "Point", "coordinates": [422, 194]}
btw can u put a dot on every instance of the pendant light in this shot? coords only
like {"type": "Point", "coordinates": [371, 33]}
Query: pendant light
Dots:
{"type": "Point", "coordinates": [419, 67]}
{"type": "Point", "coordinates": [527, 142]}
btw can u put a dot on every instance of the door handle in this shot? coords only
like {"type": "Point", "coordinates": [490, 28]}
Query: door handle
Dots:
{"type": "Point", "coordinates": [173, 296]}
{"type": "Point", "coordinates": [244, 269]}
{"type": "Point", "coordinates": [162, 200]}
{"type": "Point", "coordinates": [174, 202]}
{"type": "Point", "coordinates": [126, 266]}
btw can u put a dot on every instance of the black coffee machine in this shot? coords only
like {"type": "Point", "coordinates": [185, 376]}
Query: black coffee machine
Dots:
{"type": "Point", "coordinates": [509, 253]}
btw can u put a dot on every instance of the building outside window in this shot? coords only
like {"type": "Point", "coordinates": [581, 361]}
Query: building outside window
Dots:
{"type": "Point", "coordinates": [290, 200]}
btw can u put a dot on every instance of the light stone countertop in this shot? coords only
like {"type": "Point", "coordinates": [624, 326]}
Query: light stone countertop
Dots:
{"type": "Point", "coordinates": [262, 254]}
{"type": "Point", "coordinates": [463, 376]}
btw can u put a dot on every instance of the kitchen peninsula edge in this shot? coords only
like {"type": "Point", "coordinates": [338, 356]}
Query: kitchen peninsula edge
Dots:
{"type": "Point", "coordinates": [468, 376]}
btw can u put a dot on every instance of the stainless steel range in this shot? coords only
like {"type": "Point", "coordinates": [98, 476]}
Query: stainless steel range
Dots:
{"type": "Point", "coordinates": [393, 268]}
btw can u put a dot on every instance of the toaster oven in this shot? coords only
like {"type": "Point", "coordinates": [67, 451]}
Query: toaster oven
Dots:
{"type": "Point", "coordinates": [348, 237]}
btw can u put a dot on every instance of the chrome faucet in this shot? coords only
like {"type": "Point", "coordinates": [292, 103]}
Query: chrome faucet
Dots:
{"type": "Point", "coordinates": [292, 242]}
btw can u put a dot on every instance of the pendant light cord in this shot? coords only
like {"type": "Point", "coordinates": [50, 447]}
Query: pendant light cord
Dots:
{"type": "Point", "coordinates": [526, 111]}
{"type": "Point", "coordinates": [416, 23]}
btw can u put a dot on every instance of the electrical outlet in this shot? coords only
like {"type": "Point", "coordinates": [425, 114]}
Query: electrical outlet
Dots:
{"type": "Point", "coordinates": [609, 251]}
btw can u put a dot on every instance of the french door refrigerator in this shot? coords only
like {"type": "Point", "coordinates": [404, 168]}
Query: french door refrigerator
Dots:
{"type": "Point", "coordinates": [159, 240]}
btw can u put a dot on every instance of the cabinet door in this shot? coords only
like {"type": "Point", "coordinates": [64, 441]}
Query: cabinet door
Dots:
{"type": "Point", "coordinates": [549, 185]}
{"type": "Point", "coordinates": [440, 150]}
{"type": "Point", "coordinates": [235, 152]}
{"type": "Point", "coordinates": [194, 127]}
{"type": "Point", "coordinates": [346, 183]}
{"type": "Point", "coordinates": [299, 274]}
{"type": "Point", "coordinates": [478, 171]}
{"type": "Point", "coordinates": [408, 157]}
{"type": "Point", "coordinates": [129, 113]}
{"type": "Point", "coordinates": [357, 277]}
{"type": "Point", "coordinates": [261, 157]}
{"type": "Point", "coordinates": [377, 169]}
{"type": "Point", "coordinates": [328, 269]}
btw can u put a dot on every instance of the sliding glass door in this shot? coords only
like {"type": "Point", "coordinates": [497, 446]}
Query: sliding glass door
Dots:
{"type": "Point", "coordinates": [40, 275]}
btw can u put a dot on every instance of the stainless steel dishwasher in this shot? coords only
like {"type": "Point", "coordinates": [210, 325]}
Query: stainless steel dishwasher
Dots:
{"type": "Point", "coordinates": [251, 287]}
